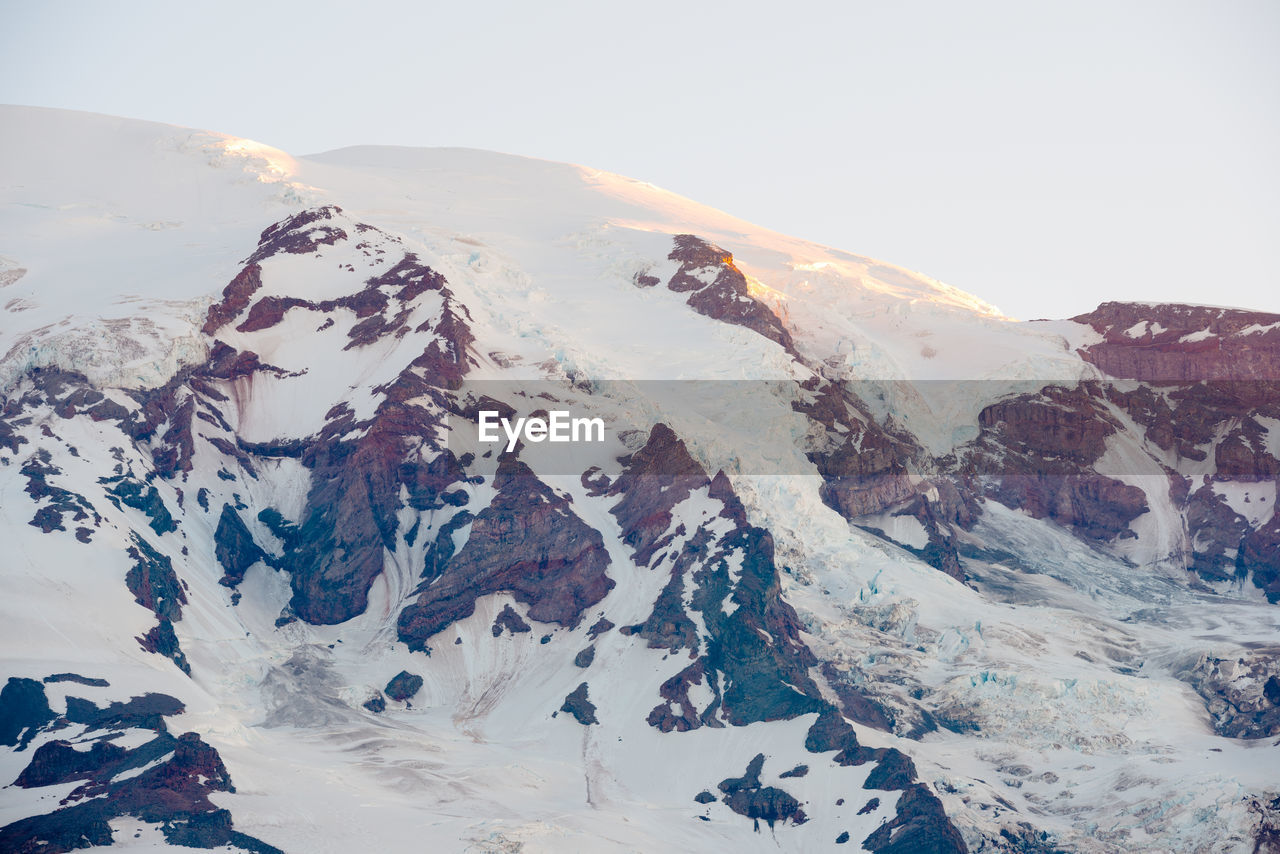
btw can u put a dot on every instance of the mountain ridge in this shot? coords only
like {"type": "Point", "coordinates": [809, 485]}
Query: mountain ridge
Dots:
{"type": "Point", "coordinates": [985, 557]}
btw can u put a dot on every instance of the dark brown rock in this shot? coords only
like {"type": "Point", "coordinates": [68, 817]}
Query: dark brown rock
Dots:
{"type": "Point", "coordinates": [1227, 344]}
{"type": "Point", "coordinates": [235, 298]}
{"type": "Point", "coordinates": [727, 297]}
{"type": "Point", "coordinates": [919, 827]}
{"type": "Point", "coordinates": [510, 621]}
{"type": "Point", "coordinates": [745, 796]}
{"type": "Point", "coordinates": [300, 234]}
{"type": "Point", "coordinates": [403, 686]}
{"type": "Point", "coordinates": [234, 547]}
{"type": "Point", "coordinates": [677, 713]}
{"type": "Point", "coordinates": [528, 542]}
{"type": "Point", "coordinates": [582, 709]}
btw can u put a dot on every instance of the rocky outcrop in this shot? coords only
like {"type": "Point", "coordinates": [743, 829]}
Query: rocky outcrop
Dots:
{"type": "Point", "coordinates": [61, 502]}
{"type": "Point", "coordinates": [527, 542]}
{"type": "Point", "coordinates": [164, 780]}
{"type": "Point", "coordinates": [657, 477]}
{"type": "Point", "coordinates": [129, 492]}
{"type": "Point", "coordinates": [1241, 692]}
{"type": "Point", "coordinates": [865, 467]}
{"type": "Point", "coordinates": [718, 289]}
{"type": "Point", "coordinates": [510, 621]}
{"type": "Point", "coordinates": [751, 656]}
{"type": "Point", "coordinates": [920, 826]}
{"type": "Point", "coordinates": [745, 796]}
{"type": "Point", "coordinates": [234, 547]}
{"type": "Point", "coordinates": [301, 234]}
{"type": "Point", "coordinates": [1259, 558]}
{"type": "Point", "coordinates": [162, 640]}
{"type": "Point", "coordinates": [24, 710]}
{"type": "Point", "coordinates": [235, 299]}
{"type": "Point", "coordinates": [1037, 454]}
{"type": "Point", "coordinates": [403, 686]}
{"type": "Point", "coordinates": [153, 583]}
{"type": "Point", "coordinates": [582, 709]}
{"type": "Point", "coordinates": [155, 586]}
{"type": "Point", "coordinates": [1183, 343]}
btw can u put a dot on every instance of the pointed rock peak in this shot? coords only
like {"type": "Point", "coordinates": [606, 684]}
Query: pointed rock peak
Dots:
{"type": "Point", "coordinates": [718, 289]}
{"type": "Point", "coordinates": [300, 234]}
{"type": "Point", "coordinates": [527, 542]}
{"type": "Point", "coordinates": [664, 454]}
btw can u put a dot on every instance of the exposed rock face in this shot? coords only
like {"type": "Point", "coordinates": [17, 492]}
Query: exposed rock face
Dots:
{"type": "Point", "coordinates": [300, 234]}
{"type": "Point", "coordinates": [1260, 557]}
{"type": "Point", "coordinates": [920, 827]}
{"type": "Point", "coordinates": [153, 582]}
{"type": "Point", "coordinates": [91, 681]}
{"type": "Point", "coordinates": [165, 780]}
{"type": "Point", "coordinates": [736, 652]}
{"type": "Point", "coordinates": [37, 470]}
{"type": "Point", "coordinates": [508, 620]}
{"type": "Point", "coordinates": [144, 497]}
{"type": "Point", "coordinates": [1040, 450]}
{"type": "Point", "coordinates": [1241, 693]}
{"type": "Point", "coordinates": [718, 289]}
{"type": "Point", "coordinates": [745, 796]}
{"type": "Point", "coordinates": [582, 709]}
{"type": "Point", "coordinates": [235, 298]}
{"type": "Point", "coordinates": [1183, 343]}
{"type": "Point", "coordinates": [528, 542]}
{"type": "Point", "coordinates": [234, 547]}
{"type": "Point", "coordinates": [403, 686]}
{"type": "Point", "coordinates": [24, 710]}
{"type": "Point", "coordinates": [763, 680]}
{"type": "Point", "coordinates": [864, 466]}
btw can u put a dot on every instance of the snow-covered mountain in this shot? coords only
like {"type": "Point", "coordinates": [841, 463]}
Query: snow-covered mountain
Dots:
{"type": "Point", "coordinates": [855, 560]}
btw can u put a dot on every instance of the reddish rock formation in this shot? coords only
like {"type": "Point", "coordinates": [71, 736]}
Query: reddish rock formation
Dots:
{"type": "Point", "coordinates": [1183, 343]}
{"type": "Point", "coordinates": [528, 542]}
{"type": "Point", "coordinates": [657, 477]}
{"type": "Point", "coordinates": [718, 289]}
{"type": "Point", "coordinates": [300, 234]}
{"type": "Point", "coordinates": [235, 298]}
{"type": "Point", "coordinates": [865, 468]}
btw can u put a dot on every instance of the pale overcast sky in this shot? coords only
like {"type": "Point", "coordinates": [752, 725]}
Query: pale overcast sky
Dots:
{"type": "Point", "coordinates": [1045, 157]}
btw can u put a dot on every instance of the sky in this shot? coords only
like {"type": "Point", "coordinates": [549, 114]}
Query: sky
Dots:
{"type": "Point", "coordinates": [1043, 156]}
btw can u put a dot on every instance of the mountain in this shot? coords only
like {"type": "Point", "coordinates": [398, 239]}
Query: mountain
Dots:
{"type": "Point", "coordinates": [839, 556]}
